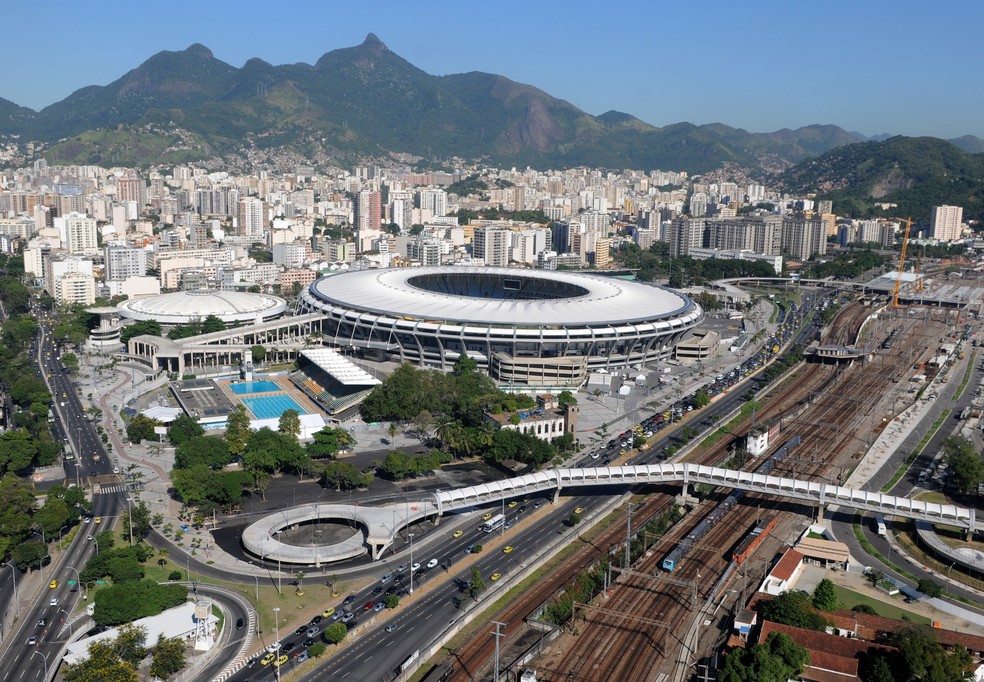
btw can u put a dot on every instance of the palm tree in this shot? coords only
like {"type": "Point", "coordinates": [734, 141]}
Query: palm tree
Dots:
{"type": "Point", "coordinates": [485, 435]}
{"type": "Point", "coordinates": [300, 579]}
{"type": "Point", "coordinates": [445, 430]}
{"type": "Point", "coordinates": [162, 557]}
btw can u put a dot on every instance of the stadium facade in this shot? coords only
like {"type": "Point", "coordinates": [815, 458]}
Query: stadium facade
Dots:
{"type": "Point", "coordinates": [522, 326]}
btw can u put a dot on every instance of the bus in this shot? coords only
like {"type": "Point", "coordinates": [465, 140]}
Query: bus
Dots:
{"type": "Point", "coordinates": [494, 523]}
{"type": "Point", "coordinates": [880, 526]}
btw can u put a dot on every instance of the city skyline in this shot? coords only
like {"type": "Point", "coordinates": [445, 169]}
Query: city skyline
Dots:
{"type": "Point", "coordinates": [764, 67]}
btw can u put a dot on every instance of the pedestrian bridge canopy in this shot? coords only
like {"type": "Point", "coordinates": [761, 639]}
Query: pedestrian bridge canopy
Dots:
{"type": "Point", "coordinates": [380, 525]}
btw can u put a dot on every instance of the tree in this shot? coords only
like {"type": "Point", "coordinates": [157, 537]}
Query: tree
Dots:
{"type": "Point", "coordinates": [210, 451]}
{"type": "Point", "coordinates": [212, 324]}
{"type": "Point", "coordinates": [476, 585]}
{"type": "Point", "coordinates": [566, 398]}
{"type": "Point", "coordinates": [129, 644]}
{"type": "Point", "coordinates": [126, 602]}
{"type": "Point", "coordinates": [701, 399]}
{"type": "Point", "coordinates": [875, 667]}
{"type": "Point", "coordinates": [71, 361]}
{"type": "Point", "coordinates": [140, 428]}
{"type": "Point", "coordinates": [328, 442]}
{"type": "Point", "coordinates": [162, 556]}
{"type": "Point", "coordinates": [391, 601]}
{"type": "Point", "coordinates": [290, 424]}
{"type": "Point", "coordinates": [183, 429]}
{"type": "Point", "coordinates": [317, 650]}
{"type": "Point", "coordinates": [864, 608]}
{"type": "Point", "coordinates": [28, 554]}
{"type": "Point", "coordinates": [795, 609]}
{"type": "Point", "coordinates": [53, 516]}
{"type": "Point", "coordinates": [776, 660]}
{"type": "Point", "coordinates": [169, 657]}
{"type": "Point", "coordinates": [574, 519]}
{"type": "Point", "coordinates": [924, 659]}
{"type": "Point", "coordinates": [824, 596]}
{"type": "Point", "coordinates": [237, 431]}
{"type": "Point", "coordinates": [101, 664]}
{"type": "Point", "coordinates": [929, 587]}
{"type": "Point", "coordinates": [258, 353]}
{"type": "Point", "coordinates": [144, 327]}
{"type": "Point", "coordinates": [342, 475]}
{"type": "Point", "coordinates": [965, 463]}
{"type": "Point", "coordinates": [136, 522]}
{"type": "Point", "coordinates": [335, 633]}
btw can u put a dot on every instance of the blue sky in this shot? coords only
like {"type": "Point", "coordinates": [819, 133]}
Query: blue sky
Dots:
{"type": "Point", "coordinates": [872, 66]}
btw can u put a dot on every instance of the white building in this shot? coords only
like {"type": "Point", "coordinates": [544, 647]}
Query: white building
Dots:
{"type": "Point", "coordinates": [77, 232]}
{"type": "Point", "coordinates": [491, 244]}
{"type": "Point", "coordinates": [433, 200]}
{"type": "Point", "coordinates": [290, 255]}
{"type": "Point", "coordinates": [123, 261]}
{"type": "Point", "coordinates": [252, 218]}
{"type": "Point", "coordinates": [946, 222]}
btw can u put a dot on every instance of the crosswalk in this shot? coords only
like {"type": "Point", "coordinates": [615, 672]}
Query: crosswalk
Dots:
{"type": "Point", "coordinates": [241, 658]}
{"type": "Point", "coordinates": [108, 489]}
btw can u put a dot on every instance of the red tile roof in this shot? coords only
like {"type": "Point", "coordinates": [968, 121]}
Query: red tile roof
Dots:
{"type": "Point", "coordinates": [844, 647]}
{"type": "Point", "coordinates": [787, 565]}
{"type": "Point", "coordinates": [871, 626]}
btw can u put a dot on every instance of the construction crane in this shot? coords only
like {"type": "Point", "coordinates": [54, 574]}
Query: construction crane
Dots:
{"type": "Point", "coordinates": [898, 278]}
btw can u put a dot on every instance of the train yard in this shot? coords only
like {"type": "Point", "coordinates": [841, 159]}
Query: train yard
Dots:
{"type": "Point", "coordinates": [649, 623]}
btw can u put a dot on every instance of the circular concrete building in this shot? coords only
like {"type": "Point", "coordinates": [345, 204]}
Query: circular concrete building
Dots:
{"type": "Point", "coordinates": [523, 326]}
{"type": "Point", "coordinates": [184, 306]}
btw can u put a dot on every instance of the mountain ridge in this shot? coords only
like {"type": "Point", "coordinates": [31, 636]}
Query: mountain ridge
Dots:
{"type": "Point", "coordinates": [366, 101]}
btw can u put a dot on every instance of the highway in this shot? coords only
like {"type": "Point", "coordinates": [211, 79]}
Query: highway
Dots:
{"type": "Point", "coordinates": [21, 662]}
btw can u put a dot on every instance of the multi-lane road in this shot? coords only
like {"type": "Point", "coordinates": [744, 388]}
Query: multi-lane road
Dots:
{"type": "Point", "coordinates": [56, 607]}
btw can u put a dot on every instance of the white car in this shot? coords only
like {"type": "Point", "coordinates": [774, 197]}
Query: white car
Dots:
{"type": "Point", "coordinates": [54, 601]}
{"type": "Point", "coordinates": [432, 563]}
{"type": "Point", "coordinates": [414, 566]}
{"type": "Point", "coordinates": [595, 455]}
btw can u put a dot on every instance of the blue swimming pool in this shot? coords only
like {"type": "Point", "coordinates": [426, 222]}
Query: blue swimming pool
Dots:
{"type": "Point", "coordinates": [271, 406]}
{"type": "Point", "coordinates": [247, 387]}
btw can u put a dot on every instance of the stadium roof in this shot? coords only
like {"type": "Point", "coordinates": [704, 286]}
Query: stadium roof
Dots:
{"type": "Point", "coordinates": [182, 307]}
{"type": "Point", "coordinates": [598, 301]}
{"type": "Point", "coordinates": [344, 371]}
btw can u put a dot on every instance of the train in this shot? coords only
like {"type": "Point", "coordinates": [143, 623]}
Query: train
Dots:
{"type": "Point", "coordinates": [752, 540]}
{"type": "Point", "coordinates": [672, 560]}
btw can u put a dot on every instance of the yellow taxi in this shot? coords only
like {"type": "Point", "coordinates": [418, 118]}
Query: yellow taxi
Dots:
{"type": "Point", "coordinates": [486, 517]}
{"type": "Point", "coordinates": [53, 584]}
{"type": "Point", "coordinates": [97, 520]}
{"type": "Point", "coordinates": [268, 659]}
{"type": "Point", "coordinates": [578, 510]}
{"type": "Point", "coordinates": [507, 549]}
{"type": "Point", "coordinates": [280, 661]}
{"type": "Point", "coordinates": [512, 504]}
{"type": "Point", "coordinates": [328, 613]}
{"type": "Point", "coordinates": [495, 576]}
{"type": "Point", "coordinates": [457, 533]}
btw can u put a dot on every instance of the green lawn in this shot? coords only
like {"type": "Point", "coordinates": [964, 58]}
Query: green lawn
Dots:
{"type": "Point", "coordinates": [849, 598]}
{"type": "Point", "coordinates": [815, 536]}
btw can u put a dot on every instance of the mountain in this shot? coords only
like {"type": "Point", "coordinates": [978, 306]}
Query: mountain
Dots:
{"type": "Point", "coordinates": [366, 102]}
{"type": "Point", "coordinates": [968, 143]}
{"type": "Point", "coordinates": [916, 173]}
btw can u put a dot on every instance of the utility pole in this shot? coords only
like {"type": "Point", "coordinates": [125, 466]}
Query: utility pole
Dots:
{"type": "Point", "coordinates": [498, 635]}
{"type": "Point", "coordinates": [628, 536]}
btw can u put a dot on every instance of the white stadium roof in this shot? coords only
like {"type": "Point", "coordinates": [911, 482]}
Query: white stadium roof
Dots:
{"type": "Point", "coordinates": [594, 300]}
{"type": "Point", "coordinates": [344, 371]}
{"type": "Point", "coordinates": [183, 306]}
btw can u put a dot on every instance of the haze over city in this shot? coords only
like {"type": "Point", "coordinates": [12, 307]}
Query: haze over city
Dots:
{"type": "Point", "coordinates": [762, 66]}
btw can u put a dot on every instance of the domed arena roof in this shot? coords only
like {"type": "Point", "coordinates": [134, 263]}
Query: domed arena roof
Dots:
{"type": "Point", "coordinates": [184, 306]}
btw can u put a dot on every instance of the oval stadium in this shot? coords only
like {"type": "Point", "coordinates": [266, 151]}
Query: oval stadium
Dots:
{"type": "Point", "coordinates": [534, 327]}
{"type": "Point", "coordinates": [181, 307]}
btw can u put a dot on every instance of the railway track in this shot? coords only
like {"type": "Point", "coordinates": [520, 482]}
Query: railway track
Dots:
{"type": "Point", "coordinates": [643, 619]}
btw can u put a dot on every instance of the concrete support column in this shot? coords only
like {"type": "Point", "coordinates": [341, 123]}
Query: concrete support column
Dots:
{"type": "Point", "coordinates": [973, 522]}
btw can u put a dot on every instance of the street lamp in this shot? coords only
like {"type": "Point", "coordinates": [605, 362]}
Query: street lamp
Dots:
{"type": "Point", "coordinates": [93, 538]}
{"type": "Point", "coordinates": [129, 513]}
{"type": "Point", "coordinates": [410, 535]}
{"type": "Point", "coordinates": [13, 576]}
{"type": "Point", "coordinates": [276, 615]}
{"type": "Point", "coordinates": [43, 658]}
{"type": "Point", "coordinates": [78, 581]}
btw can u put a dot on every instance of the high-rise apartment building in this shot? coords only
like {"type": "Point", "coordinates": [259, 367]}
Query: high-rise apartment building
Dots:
{"type": "Point", "coordinates": [252, 218]}
{"type": "Point", "coordinates": [130, 189]}
{"type": "Point", "coordinates": [433, 200]}
{"type": "Point", "coordinates": [803, 239]}
{"type": "Point", "coordinates": [78, 232]}
{"type": "Point", "coordinates": [684, 234]}
{"type": "Point", "coordinates": [491, 244]}
{"type": "Point", "coordinates": [123, 261]}
{"type": "Point", "coordinates": [945, 222]}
